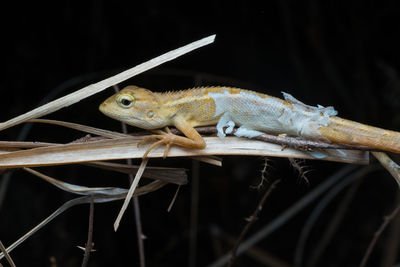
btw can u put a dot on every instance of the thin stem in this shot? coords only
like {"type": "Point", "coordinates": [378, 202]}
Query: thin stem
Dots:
{"type": "Point", "coordinates": [89, 243]}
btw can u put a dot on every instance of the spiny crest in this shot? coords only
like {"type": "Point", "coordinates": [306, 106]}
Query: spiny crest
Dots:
{"type": "Point", "coordinates": [199, 90]}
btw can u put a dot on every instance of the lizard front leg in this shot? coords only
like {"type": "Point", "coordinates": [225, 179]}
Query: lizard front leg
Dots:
{"type": "Point", "coordinates": [192, 138]}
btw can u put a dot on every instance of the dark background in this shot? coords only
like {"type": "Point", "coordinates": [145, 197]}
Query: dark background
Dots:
{"type": "Point", "coordinates": [339, 53]}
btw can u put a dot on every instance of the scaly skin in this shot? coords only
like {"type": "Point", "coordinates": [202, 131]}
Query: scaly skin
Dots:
{"type": "Point", "coordinates": [254, 111]}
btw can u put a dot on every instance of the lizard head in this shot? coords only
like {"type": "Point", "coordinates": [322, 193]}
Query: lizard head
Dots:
{"type": "Point", "coordinates": [135, 106]}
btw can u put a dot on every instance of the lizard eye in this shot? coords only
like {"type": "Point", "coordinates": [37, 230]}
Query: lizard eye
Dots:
{"type": "Point", "coordinates": [150, 114]}
{"type": "Point", "coordinates": [125, 100]}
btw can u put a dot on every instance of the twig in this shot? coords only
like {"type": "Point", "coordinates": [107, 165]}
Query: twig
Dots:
{"type": "Point", "coordinates": [263, 177]}
{"type": "Point", "coordinates": [251, 221]}
{"type": "Point", "coordinates": [378, 233]}
{"type": "Point", "coordinates": [89, 244]}
{"type": "Point", "coordinates": [302, 170]}
{"type": "Point", "coordinates": [3, 249]}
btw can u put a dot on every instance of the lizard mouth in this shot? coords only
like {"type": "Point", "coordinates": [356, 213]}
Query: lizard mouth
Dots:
{"type": "Point", "coordinates": [101, 107]}
{"type": "Point", "coordinates": [107, 110]}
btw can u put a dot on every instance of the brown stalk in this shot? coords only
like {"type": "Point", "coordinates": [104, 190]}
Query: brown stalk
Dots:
{"type": "Point", "coordinates": [89, 243]}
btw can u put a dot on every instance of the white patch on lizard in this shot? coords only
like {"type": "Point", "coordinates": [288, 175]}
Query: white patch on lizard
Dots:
{"type": "Point", "coordinates": [269, 114]}
{"type": "Point", "coordinates": [221, 101]}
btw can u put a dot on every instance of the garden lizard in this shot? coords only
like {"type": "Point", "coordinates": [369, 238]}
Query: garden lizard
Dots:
{"type": "Point", "coordinates": [227, 107]}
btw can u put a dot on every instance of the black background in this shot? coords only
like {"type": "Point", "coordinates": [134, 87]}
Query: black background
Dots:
{"type": "Point", "coordinates": [339, 53]}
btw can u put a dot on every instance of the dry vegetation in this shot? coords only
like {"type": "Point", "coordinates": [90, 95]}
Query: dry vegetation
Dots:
{"type": "Point", "coordinates": [102, 145]}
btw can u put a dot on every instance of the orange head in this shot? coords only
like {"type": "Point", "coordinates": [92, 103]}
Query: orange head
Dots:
{"type": "Point", "coordinates": [135, 106]}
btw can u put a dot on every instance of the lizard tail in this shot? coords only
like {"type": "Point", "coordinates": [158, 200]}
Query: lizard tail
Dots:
{"type": "Point", "coordinates": [353, 133]}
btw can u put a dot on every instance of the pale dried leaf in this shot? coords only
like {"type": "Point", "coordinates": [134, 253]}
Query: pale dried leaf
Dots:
{"type": "Point", "coordinates": [82, 128]}
{"type": "Point", "coordinates": [130, 192]}
{"type": "Point", "coordinates": [78, 189]}
{"type": "Point", "coordinates": [170, 175]}
{"type": "Point", "coordinates": [22, 144]}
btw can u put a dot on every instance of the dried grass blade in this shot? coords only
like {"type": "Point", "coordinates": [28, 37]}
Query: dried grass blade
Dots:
{"type": "Point", "coordinates": [22, 144]}
{"type": "Point", "coordinates": [171, 175]}
{"type": "Point", "coordinates": [82, 128]}
{"type": "Point", "coordinates": [78, 189]}
{"type": "Point", "coordinates": [130, 193]}
{"type": "Point", "coordinates": [100, 86]}
{"type": "Point", "coordinates": [69, 153]}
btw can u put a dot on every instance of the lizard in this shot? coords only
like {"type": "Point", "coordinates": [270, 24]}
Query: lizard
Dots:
{"type": "Point", "coordinates": [226, 107]}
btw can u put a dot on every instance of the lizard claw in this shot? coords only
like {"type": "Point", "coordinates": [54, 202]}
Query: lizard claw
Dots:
{"type": "Point", "coordinates": [166, 138]}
